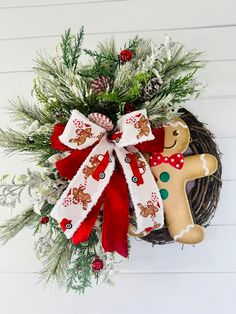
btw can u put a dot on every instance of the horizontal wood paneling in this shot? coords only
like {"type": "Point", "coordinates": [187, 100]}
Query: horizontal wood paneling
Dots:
{"type": "Point", "coordinates": [168, 293]}
{"type": "Point", "coordinates": [18, 55]}
{"type": "Point", "coordinates": [105, 17]}
{"type": "Point", "coordinates": [216, 114]}
{"type": "Point", "coordinates": [212, 255]}
{"type": "Point", "coordinates": [6, 4]}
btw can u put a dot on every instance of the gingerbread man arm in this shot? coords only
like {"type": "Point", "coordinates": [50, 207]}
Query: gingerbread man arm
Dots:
{"type": "Point", "coordinates": [199, 166]}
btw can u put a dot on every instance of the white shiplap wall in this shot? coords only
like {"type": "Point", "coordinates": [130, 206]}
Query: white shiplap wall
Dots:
{"type": "Point", "coordinates": [163, 279]}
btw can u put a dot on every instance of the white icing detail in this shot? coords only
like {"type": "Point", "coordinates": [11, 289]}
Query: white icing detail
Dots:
{"type": "Point", "coordinates": [178, 123]}
{"type": "Point", "coordinates": [204, 163]}
{"type": "Point", "coordinates": [183, 232]}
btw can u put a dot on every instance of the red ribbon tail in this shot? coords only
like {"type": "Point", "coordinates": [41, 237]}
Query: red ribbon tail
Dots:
{"type": "Point", "coordinates": [83, 232]}
{"type": "Point", "coordinates": [68, 166]}
{"type": "Point", "coordinates": [116, 215]}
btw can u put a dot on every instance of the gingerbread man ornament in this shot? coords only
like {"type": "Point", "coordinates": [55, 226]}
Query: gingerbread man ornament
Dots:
{"type": "Point", "coordinates": [172, 171]}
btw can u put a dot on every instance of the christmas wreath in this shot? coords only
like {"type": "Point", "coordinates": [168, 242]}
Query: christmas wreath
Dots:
{"type": "Point", "coordinates": [110, 140]}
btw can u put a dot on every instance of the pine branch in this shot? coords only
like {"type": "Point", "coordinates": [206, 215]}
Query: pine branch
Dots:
{"type": "Point", "coordinates": [57, 260]}
{"type": "Point", "coordinates": [22, 111]}
{"type": "Point", "coordinates": [63, 89]}
{"type": "Point", "coordinates": [13, 141]}
{"type": "Point", "coordinates": [13, 226]}
{"type": "Point", "coordinates": [18, 141]}
{"type": "Point", "coordinates": [176, 61]}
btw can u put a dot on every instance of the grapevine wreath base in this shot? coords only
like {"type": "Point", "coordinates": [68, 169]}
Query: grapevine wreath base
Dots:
{"type": "Point", "coordinates": [204, 195]}
{"type": "Point", "coordinates": [114, 152]}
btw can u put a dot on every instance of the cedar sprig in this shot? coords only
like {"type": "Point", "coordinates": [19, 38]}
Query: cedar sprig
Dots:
{"type": "Point", "coordinates": [182, 88]}
{"type": "Point", "coordinates": [80, 273]}
{"type": "Point", "coordinates": [71, 48]}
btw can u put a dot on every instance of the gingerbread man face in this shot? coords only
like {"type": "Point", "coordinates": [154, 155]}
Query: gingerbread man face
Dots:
{"type": "Point", "coordinates": [177, 137]}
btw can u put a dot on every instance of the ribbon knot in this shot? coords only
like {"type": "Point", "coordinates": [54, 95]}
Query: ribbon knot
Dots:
{"type": "Point", "coordinates": [99, 165]}
{"type": "Point", "coordinates": [175, 160]}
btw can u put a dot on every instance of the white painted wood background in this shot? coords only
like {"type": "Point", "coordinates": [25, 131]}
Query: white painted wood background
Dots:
{"type": "Point", "coordinates": [163, 279]}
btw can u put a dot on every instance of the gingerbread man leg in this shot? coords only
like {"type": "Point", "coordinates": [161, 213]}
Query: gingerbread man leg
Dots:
{"type": "Point", "coordinates": [180, 222]}
{"type": "Point", "coordinates": [195, 167]}
{"type": "Point", "coordinates": [176, 207]}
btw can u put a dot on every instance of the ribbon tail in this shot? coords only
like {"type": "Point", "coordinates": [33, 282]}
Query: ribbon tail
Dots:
{"type": "Point", "coordinates": [83, 232]}
{"type": "Point", "coordinates": [143, 190]}
{"type": "Point", "coordinates": [68, 166]}
{"type": "Point", "coordinates": [116, 215]}
{"type": "Point", "coordinates": [85, 188]}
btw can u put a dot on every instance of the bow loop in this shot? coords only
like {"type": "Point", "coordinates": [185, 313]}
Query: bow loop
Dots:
{"type": "Point", "coordinates": [80, 132]}
{"type": "Point", "coordinates": [134, 128]}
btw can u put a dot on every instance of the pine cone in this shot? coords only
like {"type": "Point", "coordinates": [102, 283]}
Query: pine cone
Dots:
{"type": "Point", "coordinates": [151, 89]}
{"type": "Point", "coordinates": [100, 85]}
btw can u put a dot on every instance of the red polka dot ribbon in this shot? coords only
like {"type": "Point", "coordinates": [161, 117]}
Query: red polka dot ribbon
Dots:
{"type": "Point", "coordinates": [176, 160]}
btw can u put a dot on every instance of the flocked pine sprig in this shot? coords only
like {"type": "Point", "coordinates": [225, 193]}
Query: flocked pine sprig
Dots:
{"type": "Point", "coordinates": [63, 90]}
{"type": "Point", "coordinates": [175, 60]}
{"type": "Point", "coordinates": [13, 226]}
{"type": "Point", "coordinates": [57, 260]}
{"type": "Point", "coordinates": [37, 144]}
{"type": "Point", "coordinates": [26, 113]}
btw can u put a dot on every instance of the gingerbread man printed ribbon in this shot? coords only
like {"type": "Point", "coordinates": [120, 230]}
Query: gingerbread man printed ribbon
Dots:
{"type": "Point", "coordinates": [93, 176]}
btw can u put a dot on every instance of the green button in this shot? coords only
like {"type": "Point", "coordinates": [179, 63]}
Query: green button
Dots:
{"type": "Point", "coordinates": [164, 194]}
{"type": "Point", "coordinates": [164, 176]}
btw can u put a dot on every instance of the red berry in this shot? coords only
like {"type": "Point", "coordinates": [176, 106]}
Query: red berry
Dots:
{"type": "Point", "coordinates": [97, 264]}
{"type": "Point", "coordinates": [125, 55]}
{"type": "Point", "coordinates": [44, 220]}
{"type": "Point", "coordinates": [129, 107]}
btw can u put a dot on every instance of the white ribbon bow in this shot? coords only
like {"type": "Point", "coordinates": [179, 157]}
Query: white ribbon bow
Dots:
{"type": "Point", "coordinates": [93, 176]}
